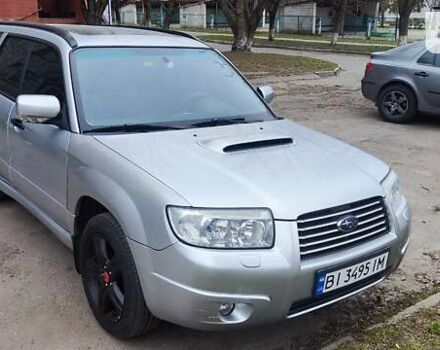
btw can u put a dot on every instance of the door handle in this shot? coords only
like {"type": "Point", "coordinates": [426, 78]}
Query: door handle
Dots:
{"type": "Point", "coordinates": [17, 123]}
{"type": "Point", "coordinates": [422, 74]}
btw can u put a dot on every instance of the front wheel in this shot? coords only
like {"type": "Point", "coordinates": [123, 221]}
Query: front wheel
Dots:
{"type": "Point", "coordinates": [397, 103]}
{"type": "Point", "coordinates": [110, 279]}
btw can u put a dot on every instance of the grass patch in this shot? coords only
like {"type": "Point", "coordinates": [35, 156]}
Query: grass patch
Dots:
{"type": "Point", "coordinates": [327, 39]}
{"type": "Point", "coordinates": [302, 45]}
{"type": "Point", "coordinates": [323, 38]}
{"type": "Point", "coordinates": [273, 64]}
{"type": "Point", "coordinates": [372, 307]}
{"type": "Point", "coordinates": [419, 331]}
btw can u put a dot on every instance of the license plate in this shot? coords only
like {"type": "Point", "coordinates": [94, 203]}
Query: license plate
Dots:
{"type": "Point", "coordinates": [330, 281]}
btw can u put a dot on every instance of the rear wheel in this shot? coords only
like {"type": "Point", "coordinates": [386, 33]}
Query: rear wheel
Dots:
{"type": "Point", "coordinates": [110, 280]}
{"type": "Point", "coordinates": [397, 103]}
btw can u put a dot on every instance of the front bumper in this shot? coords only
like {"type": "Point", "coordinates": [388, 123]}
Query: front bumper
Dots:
{"type": "Point", "coordinates": [186, 285]}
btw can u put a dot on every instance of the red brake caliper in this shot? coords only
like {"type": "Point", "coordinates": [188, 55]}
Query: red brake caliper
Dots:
{"type": "Point", "coordinates": [106, 276]}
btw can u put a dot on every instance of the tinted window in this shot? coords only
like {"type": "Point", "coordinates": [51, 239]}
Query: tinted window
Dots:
{"type": "Point", "coordinates": [44, 74]}
{"type": "Point", "coordinates": [427, 58]}
{"type": "Point", "coordinates": [13, 54]}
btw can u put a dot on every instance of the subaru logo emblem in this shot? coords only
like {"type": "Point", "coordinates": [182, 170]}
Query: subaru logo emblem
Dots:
{"type": "Point", "coordinates": [348, 223]}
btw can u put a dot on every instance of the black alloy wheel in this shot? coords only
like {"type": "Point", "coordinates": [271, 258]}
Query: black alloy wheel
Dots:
{"type": "Point", "coordinates": [111, 281]}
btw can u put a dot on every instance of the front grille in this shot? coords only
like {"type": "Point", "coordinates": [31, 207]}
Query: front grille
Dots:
{"type": "Point", "coordinates": [319, 233]}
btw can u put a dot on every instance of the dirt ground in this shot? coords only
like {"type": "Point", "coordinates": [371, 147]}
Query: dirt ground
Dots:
{"type": "Point", "coordinates": [42, 304]}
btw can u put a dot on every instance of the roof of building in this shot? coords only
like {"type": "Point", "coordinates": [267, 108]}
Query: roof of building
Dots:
{"type": "Point", "coordinates": [86, 35]}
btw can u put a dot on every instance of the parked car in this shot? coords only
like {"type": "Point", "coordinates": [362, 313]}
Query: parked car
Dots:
{"type": "Point", "coordinates": [182, 195]}
{"type": "Point", "coordinates": [404, 81]}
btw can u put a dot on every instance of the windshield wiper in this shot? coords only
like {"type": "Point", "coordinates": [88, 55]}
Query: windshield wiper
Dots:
{"type": "Point", "coordinates": [219, 121]}
{"type": "Point", "coordinates": [133, 128]}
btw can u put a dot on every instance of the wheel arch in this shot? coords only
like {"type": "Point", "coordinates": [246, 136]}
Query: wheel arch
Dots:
{"type": "Point", "coordinates": [92, 192]}
{"type": "Point", "coordinates": [86, 208]}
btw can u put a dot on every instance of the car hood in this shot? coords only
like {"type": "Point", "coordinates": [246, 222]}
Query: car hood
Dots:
{"type": "Point", "coordinates": [280, 165]}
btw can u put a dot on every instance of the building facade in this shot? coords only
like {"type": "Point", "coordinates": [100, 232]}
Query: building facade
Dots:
{"type": "Point", "coordinates": [42, 11]}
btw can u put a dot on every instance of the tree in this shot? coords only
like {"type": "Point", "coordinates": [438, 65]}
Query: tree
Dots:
{"type": "Point", "coordinates": [169, 8]}
{"type": "Point", "coordinates": [243, 17]}
{"type": "Point", "coordinates": [272, 10]}
{"type": "Point", "coordinates": [116, 8]}
{"type": "Point", "coordinates": [339, 7]}
{"type": "Point", "coordinates": [404, 8]}
{"type": "Point", "coordinates": [146, 10]}
{"type": "Point", "coordinates": [93, 10]}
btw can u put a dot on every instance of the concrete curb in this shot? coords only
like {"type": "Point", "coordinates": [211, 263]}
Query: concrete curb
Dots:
{"type": "Point", "coordinates": [329, 73]}
{"type": "Point", "coordinates": [429, 302]}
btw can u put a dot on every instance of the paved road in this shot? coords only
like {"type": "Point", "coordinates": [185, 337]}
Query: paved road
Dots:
{"type": "Point", "coordinates": [353, 65]}
{"type": "Point", "coordinates": [42, 305]}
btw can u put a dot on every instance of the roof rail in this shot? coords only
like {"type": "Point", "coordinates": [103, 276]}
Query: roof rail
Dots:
{"type": "Point", "coordinates": [64, 34]}
{"type": "Point", "coordinates": [155, 29]}
{"type": "Point", "coordinates": [73, 43]}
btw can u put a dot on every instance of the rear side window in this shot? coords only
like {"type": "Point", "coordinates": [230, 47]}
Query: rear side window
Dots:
{"type": "Point", "coordinates": [428, 58]}
{"type": "Point", "coordinates": [13, 53]}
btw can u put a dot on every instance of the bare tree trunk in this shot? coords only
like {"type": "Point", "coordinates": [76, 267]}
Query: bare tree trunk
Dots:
{"type": "Point", "coordinates": [93, 10]}
{"type": "Point", "coordinates": [117, 7]}
{"type": "Point", "coordinates": [403, 29]}
{"type": "Point", "coordinates": [169, 14]}
{"type": "Point", "coordinates": [339, 21]}
{"type": "Point", "coordinates": [250, 37]}
{"type": "Point", "coordinates": [170, 10]}
{"type": "Point", "coordinates": [240, 28]}
{"type": "Point", "coordinates": [406, 7]}
{"type": "Point", "coordinates": [146, 18]}
{"type": "Point", "coordinates": [272, 10]}
{"type": "Point", "coordinates": [271, 32]}
{"type": "Point", "coordinates": [240, 42]}
{"type": "Point", "coordinates": [167, 20]}
{"type": "Point", "coordinates": [243, 17]}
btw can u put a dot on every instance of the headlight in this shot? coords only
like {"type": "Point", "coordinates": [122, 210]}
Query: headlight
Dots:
{"type": "Point", "coordinates": [392, 190]}
{"type": "Point", "coordinates": [223, 228]}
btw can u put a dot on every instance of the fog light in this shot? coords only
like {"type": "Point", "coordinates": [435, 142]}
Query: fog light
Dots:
{"type": "Point", "coordinates": [226, 309]}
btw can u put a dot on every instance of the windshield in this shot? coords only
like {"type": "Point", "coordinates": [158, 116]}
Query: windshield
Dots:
{"type": "Point", "coordinates": [166, 86]}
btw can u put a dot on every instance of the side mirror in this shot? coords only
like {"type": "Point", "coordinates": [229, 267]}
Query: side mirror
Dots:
{"type": "Point", "coordinates": [267, 93]}
{"type": "Point", "coordinates": [37, 108]}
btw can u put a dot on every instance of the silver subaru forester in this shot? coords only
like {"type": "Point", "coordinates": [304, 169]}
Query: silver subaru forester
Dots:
{"type": "Point", "coordinates": [182, 195]}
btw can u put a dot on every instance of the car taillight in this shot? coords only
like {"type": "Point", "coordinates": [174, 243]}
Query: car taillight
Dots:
{"type": "Point", "coordinates": [369, 68]}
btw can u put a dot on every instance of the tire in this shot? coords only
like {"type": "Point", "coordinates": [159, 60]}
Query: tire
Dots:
{"type": "Point", "coordinates": [3, 196]}
{"type": "Point", "coordinates": [111, 281]}
{"type": "Point", "coordinates": [397, 103]}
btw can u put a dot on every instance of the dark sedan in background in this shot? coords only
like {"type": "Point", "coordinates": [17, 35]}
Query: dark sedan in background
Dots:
{"type": "Point", "coordinates": [404, 81]}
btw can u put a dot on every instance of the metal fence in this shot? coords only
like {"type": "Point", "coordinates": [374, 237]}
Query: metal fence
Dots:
{"type": "Point", "coordinates": [380, 27]}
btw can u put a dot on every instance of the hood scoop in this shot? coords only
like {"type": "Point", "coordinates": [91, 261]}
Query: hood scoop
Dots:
{"type": "Point", "coordinates": [246, 146]}
{"type": "Point", "coordinates": [247, 143]}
